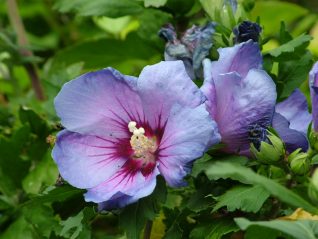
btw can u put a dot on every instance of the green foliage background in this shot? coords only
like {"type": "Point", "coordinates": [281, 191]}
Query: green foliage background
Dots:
{"type": "Point", "coordinates": [69, 37]}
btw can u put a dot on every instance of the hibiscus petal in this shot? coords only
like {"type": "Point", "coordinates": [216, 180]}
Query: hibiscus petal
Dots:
{"type": "Point", "coordinates": [313, 85]}
{"type": "Point", "coordinates": [188, 134]}
{"type": "Point", "coordinates": [86, 161]}
{"type": "Point", "coordinates": [293, 139]}
{"type": "Point", "coordinates": [208, 88]}
{"type": "Point", "coordinates": [99, 103]}
{"type": "Point", "coordinates": [162, 85]}
{"type": "Point", "coordinates": [295, 110]}
{"type": "Point", "coordinates": [240, 58]}
{"type": "Point", "coordinates": [242, 104]}
{"type": "Point", "coordinates": [126, 186]}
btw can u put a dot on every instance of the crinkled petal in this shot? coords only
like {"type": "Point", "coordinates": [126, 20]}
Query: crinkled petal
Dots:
{"type": "Point", "coordinates": [126, 186]}
{"type": "Point", "coordinates": [240, 58]}
{"type": "Point", "coordinates": [295, 110]}
{"type": "Point", "coordinates": [99, 103]}
{"type": "Point", "coordinates": [161, 86]}
{"type": "Point", "coordinates": [199, 42]}
{"type": "Point", "coordinates": [187, 135]}
{"type": "Point", "coordinates": [313, 85]}
{"type": "Point", "coordinates": [242, 104]}
{"type": "Point", "coordinates": [293, 139]}
{"type": "Point", "coordinates": [86, 161]}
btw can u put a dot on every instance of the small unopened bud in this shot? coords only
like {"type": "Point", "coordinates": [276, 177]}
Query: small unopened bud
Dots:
{"type": "Point", "coordinates": [313, 187]}
{"type": "Point", "coordinates": [299, 163]}
{"type": "Point", "coordinates": [269, 152]}
{"type": "Point", "coordinates": [313, 140]}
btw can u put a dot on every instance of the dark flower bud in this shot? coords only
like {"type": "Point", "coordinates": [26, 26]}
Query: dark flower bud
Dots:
{"type": "Point", "coordinates": [247, 30]}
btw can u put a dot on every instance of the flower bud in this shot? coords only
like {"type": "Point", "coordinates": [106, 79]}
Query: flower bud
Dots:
{"type": "Point", "coordinates": [313, 140]}
{"type": "Point", "coordinates": [269, 152]}
{"type": "Point", "coordinates": [299, 163]}
{"type": "Point", "coordinates": [313, 187]}
{"type": "Point", "coordinates": [247, 30]}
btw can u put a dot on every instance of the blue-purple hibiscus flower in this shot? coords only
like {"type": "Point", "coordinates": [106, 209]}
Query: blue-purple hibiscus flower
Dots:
{"type": "Point", "coordinates": [313, 85]}
{"type": "Point", "coordinates": [241, 96]}
{"type": "Point", "coordinates": [122, 131]}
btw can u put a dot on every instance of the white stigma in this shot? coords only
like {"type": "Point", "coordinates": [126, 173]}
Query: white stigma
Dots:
{"type": "Point", "coordinates": [132, 126]}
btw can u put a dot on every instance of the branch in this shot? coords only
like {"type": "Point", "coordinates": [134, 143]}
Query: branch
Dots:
{"type": "Point", "coordinates": [148, 228]}
{"type": "Point", "coordinates": [18, 26]}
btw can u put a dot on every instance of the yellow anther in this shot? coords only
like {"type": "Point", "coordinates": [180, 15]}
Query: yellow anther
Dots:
{"type": "Point", "coordinates": [141, 144]}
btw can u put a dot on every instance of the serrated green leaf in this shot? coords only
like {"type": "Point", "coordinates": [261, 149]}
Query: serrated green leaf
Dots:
{"type": "Point", "coordinates": [215, 229]}
{"type": "Point", "coordinates": [297, 229]}
{"type": "Point", "coordinates": [301, 41]}
{"type": "Point", "coordinates": [245, 198]}
{"type": "Point", "coordinates": [77, 226]}
{"type": "Point", "coordinates": [155, 3]}
{"type": "Point", "coordinates": [109, 8]}
{"type": "Point", "coordinates": [247, 176]}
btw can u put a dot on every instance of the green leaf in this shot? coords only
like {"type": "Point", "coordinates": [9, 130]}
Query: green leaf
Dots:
{"type": "Point", "coordinates": [109, 8]}
{"type": "Point", "coordinates": [37, 123]}
{"type": "Point", "coordinates": [247, 176]}
{"type": "Point", "coordinates": [12, 167]}
{"type": "Point", "coordinates": [77, 226]}
{"type": "Point", "coordinates": [155, 3]}
{"type": "Point", "coordinates": [19, 229]}
{"type": "Point", "coordinates": [261, 233]}
{"type": "Point", "coordinates": [206, 161]}
{"type": "Point", "coordinates": [35, 221]}
{"type": "Point", "coordinates": [245, 198]}
{"type": "Point", "coordinates": [290, 47]}
{"type": "Point", "coordinates": [44, 173]}
{"type": "Point", "coordinates": [214, 229]}
{"type": "Point", "coordinates": [134, 217]}
{"type": "Point", "coordinates": [56, 194]}
{"type": "Point", "coordinates": [151, 20]}
{"type": "Point", "coordinates": [297, 229]}
{"type": "Point", "coordinates": [293, 73]}
{"type": "Point", "coordinates": [270, 17]}
{"type": "Point", "coordinates": [42, 219]}
{"type": "Point", "coordinates": [126, 56]}
{"type": "Point", "coordinates": [176, 222]}
{"type": "Point", "coordinates": [174, 232]}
